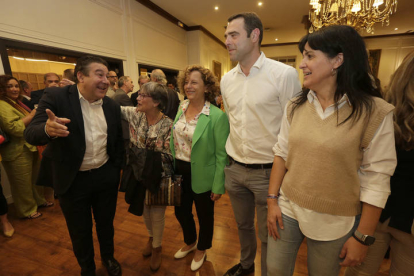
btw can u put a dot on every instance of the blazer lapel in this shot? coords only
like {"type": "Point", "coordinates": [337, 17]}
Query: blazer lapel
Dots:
{"type": "Point", "coordinates": [76, 107]}
{"type": "Point", "coordinates": [202, 123]}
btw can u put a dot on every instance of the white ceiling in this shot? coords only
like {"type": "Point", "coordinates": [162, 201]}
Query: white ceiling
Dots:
{"type": "Point", "coordinates": [283, 17]}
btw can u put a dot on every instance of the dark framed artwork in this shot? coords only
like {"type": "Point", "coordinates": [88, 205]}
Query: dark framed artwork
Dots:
{"type": "Point", "coordinates": [374, 61]}
{"type": "Point", "coordinates": [217, 69]}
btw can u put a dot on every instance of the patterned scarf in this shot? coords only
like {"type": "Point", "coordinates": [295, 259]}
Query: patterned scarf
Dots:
{"type": "Point", "coordinates": [21, 107]}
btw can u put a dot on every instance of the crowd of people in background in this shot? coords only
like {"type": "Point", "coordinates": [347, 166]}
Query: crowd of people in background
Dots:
{"type": "Point", "coordinates": [313, 161]}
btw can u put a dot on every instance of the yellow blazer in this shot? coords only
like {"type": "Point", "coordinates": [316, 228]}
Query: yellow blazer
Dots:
{"type": "Point", "coordinates": [11, 123]}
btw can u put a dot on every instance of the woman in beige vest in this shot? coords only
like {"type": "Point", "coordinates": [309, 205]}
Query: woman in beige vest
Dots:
{"type": "Point", "coordinates": [333, 160]}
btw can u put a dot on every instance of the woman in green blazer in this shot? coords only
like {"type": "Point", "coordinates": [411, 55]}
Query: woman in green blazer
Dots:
{"type": "Point", "coordinates": [20, 159]}
{"type": "Point", "coordinates": [197, 143]}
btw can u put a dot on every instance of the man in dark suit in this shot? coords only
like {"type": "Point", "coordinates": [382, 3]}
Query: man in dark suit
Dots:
{"type": "Point", "coordinates": [83, 158]}
{"type": "Point", "coordinates": [27, 89]}
{"type": "Point", "coordinates": [125, 85]}
{"type": "Point", "coordinates": [50, 80]}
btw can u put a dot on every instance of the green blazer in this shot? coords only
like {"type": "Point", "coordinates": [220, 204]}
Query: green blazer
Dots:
{"type": "Point", "coordinates": [208, 152]}
{"type": "Point", "coordinates": [11, 123]}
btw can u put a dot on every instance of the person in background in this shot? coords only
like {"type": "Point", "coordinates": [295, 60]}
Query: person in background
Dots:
{"type": "Point", "coordinates": [50, 80]}
{"type": "Point", "coordinates": [27, 89]}
{"type": "Point", "coordinates": [333, 160]}
{"type": "Point", "coordinates": [396, 226]}
{"type": "Point", "coordinates": [7, 228]}
{"type": "Point", "coordinates": [158, 75]}
{"type": "Point", "coordinates": [141, 81]}
{"type": "Point", "coordinates": [20, 158]}
{"type": "Point", "coordinates": [68, 77]}
{"type": "Point", "coordinates": [125, 85]}
{"type": "Point", "coordinates": [113, 84]}
{"type": "Point", "coordinates": [150, 130]}
{"type": "Point", "coordinates": [198, 145]}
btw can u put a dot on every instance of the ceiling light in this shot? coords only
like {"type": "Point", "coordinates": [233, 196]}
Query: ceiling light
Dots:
{"type": "Point", "coordinates": [31, 59]}
{"type": "Point", "coordinates": [260, 3]}
{"type": "Point", "coordinates": [19, 58]}
{"type": "Point", "coordinates": [360, 14]}
{"type": "Point", "coordinates": [216, 7]}
{"type": "Point", "coordinates": [277, 39]}
{"type": "Point", "coordinates": [396, 29]}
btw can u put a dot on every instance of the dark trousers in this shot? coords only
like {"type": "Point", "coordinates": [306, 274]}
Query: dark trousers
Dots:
{"type": "Point", "coordinates": [3, 201]}
{"type": "Point", "coordinates": [204, 207]}
{"type": "Point", "coordinates": [94, 192]}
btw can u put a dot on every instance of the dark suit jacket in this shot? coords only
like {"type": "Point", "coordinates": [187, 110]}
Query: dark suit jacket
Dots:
{"type": "Point", "coordinates": [35, 97]}
{"type": "Point", "coordinates": [63, 156]}
{"type": "Point", "coordinates": [134, 98]}
{"type": "Point", "coordinates": [27, 103]}
{"type": "Point", "coordinates": [122, 99]}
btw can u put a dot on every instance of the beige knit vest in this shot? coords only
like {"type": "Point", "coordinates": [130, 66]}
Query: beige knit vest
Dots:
{"type": "Point", "coordinates": [324, 158]}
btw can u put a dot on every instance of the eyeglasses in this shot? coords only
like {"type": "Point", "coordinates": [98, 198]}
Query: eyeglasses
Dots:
{"type": "Point", "coordinates": [142, 95]}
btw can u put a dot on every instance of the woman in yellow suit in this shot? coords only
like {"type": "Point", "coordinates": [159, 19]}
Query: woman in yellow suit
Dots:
{"type": "Point", "coordinates": [20, 159]}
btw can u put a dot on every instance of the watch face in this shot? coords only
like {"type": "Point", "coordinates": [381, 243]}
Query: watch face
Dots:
{"type": "Point", "coordinates": [369, 240]}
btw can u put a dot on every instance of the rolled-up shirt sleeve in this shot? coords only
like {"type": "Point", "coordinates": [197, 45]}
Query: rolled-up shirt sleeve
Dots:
{"type": "Point", "coordinates": [281, 147]}
{"type": "Point", "coordinates": [378, 165]}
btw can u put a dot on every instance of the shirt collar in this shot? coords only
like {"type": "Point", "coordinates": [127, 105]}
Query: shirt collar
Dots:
{"type": "Point", "coordinates": [258, 64]}
{"type": "Point", "coordinates": [312, 96]}
{"type": "Point", "coordinates": [205, 110]}
{"type": "Point", "coordinates": [98, 102]}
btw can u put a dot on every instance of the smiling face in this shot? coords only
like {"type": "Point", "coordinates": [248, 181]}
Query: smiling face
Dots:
{"type": "Point", "coordinates": [318, 68]}
{"type": "Point", "coordinates": [13, 89]}
{"type": "Point", "coordinates": [194, 87]}
{"type": "Point", "coordinates": [93, 87]}
{"type": "Point", "coordinates": [145, 102]}
{"type": "Point", "coordinates": [239, 46]}
{"type": "Point", "coordinates": [112, 78]}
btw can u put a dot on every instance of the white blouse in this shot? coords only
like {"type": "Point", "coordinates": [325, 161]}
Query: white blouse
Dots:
{"type": "Point", "coordinates": [183, 132]}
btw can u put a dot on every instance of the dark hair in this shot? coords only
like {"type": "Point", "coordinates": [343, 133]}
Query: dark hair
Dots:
{"type": "Point", "coordinates": [23, 84]}
{"type": "Point", "coordinates": [69, 74]}
{"type": "Point", "coordinates": [48, 74]}
{"type": "Point", "coordinates": [158, 93]}
{"type": "Point", "coordinates": [210, 81]}
{"type": "Point", "coordinates": [354, 76]}
{"type": "Point", "coordinates": [4, 79]}
{"type": "Point", "coordinates": [251, 22]}
{"type": "Point", "coordinates": [82, 65]}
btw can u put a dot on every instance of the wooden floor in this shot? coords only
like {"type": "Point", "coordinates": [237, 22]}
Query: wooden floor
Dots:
{"type": "Point", "coordinates": [41, 247]}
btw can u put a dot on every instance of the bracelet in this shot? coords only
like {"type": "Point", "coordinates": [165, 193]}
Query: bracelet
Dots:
{"type": "Point", "coordinates": [272, 196]}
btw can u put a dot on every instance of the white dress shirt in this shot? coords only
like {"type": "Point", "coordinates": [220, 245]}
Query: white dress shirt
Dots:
{"type": "Point", "coordinates": [378, 164]}
{"type": "Point", "coordinates": [95, 134]}
{"type": "Point", "coordinates": [254, 105]}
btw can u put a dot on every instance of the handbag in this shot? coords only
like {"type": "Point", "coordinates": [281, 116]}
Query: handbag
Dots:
{"type": "Point", "coordinates": [4, 138]}
{"type": "Point", "coordinates": [169, 193]}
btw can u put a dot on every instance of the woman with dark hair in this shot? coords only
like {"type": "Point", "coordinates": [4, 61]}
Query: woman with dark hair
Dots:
{"type": "Point", "coordinates": [198, 145]}
{"type": "Point", "coordinates": [20, 159]}
{"type": "Point", "coordinates": [396, 227]}
{"type": "Point", "coordinates": [149, 130]}
{"type": "Point", "coordinates": [333, 159]}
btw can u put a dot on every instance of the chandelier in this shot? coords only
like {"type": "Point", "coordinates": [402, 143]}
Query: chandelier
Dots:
{"type": "Point", "coordinates": [360, 14]}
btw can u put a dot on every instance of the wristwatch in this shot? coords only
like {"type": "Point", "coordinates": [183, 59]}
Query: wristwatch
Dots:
{"type": "Point", "coordinates": [364, 239]}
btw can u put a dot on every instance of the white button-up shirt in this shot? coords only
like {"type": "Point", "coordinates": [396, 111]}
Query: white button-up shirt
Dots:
{"type": "Point", "coordinates": [95, 134]}
{"type": "Point", "coordinates": [255, 105]}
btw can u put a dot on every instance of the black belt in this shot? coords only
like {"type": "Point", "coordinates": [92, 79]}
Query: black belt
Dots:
{"type": "Point", "coordinates": [253, 166]}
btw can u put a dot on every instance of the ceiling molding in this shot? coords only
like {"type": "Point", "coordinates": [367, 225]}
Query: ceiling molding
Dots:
{"type": "Point", "coordinates": [206, 32]}
{"type": "Point", "coordinates": [155, 8]}
{"type": "Point", "coordinates": [163, 13]}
